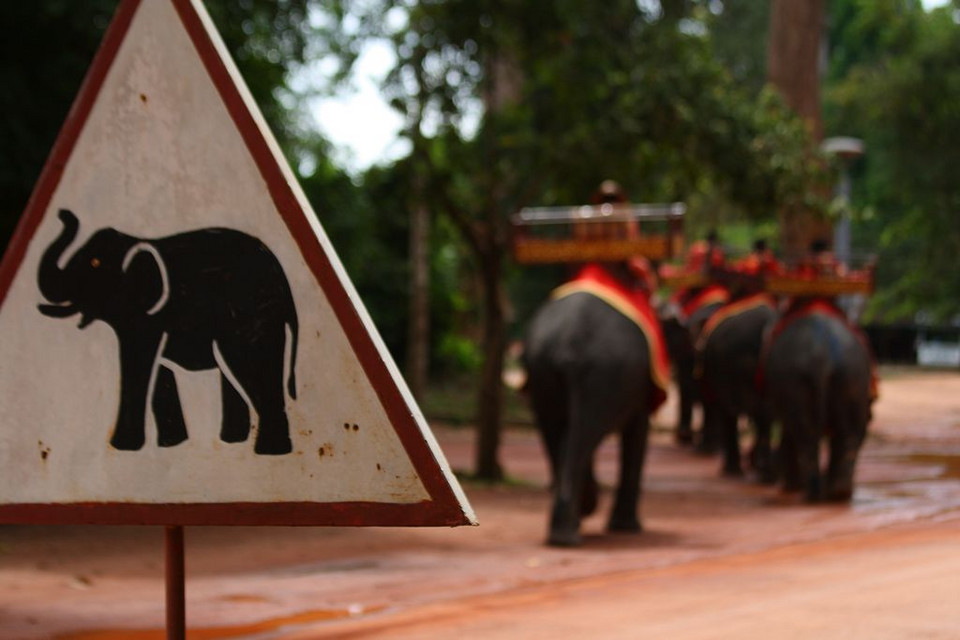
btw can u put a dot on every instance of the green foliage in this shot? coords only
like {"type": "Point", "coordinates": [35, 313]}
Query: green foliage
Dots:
{"type": "Point", "coordinates": [49, 44]}
{"type": "Point", "coordinates": [44, 54]}
{"type": "Point", "coordinates": [598, 91]}
{"type": "Point", "coordinates": [43, 62]}
{"type": "Point", "coordinates": [566, 94]}
{"type": "Point", "coordinates": [738, 34]}
{"type": "Point", "coordinates": [903, 99]}
{"type": "Point", "coordinates": [460, 353]}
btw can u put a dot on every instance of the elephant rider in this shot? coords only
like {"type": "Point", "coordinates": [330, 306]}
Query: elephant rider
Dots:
{"type": "Point", "coordinates": [820, 262]}
{"type": "Point", "coordinates": [636, 269]}
{"type": "Point", "coordinates": [746, 276]}
{"type": "Point", "coordinates": [608, 196]}
{"type": "Point", "coordinates": [705, 257]}
{"type": "Point", "coordinates": [626, 283]}
{"type": "Point", "coordinates": [706, 254]}
{"type": "Point", "coordinates": [759, 262]}
{"type": "Point", "coordinates": [644, 275]}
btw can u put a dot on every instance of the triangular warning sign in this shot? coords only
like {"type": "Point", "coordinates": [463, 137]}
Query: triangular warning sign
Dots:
{"type": "Point", "coordinates": [180, 343]}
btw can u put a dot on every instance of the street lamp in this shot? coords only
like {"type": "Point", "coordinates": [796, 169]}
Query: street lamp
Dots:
{"type": "Point", "coordinates": [847, 150]}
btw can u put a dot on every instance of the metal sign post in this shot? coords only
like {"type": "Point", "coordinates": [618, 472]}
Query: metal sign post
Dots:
{"type": "Point", "coordinates": [170, 391]}
{"type": "Point", "coordinates": [176, 585]}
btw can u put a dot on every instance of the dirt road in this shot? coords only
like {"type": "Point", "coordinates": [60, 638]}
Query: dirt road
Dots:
{"type": "Point", "coordinates": [719, 558]}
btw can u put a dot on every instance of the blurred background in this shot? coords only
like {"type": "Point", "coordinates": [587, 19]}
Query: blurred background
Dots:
{"type": "Point", "coordinates": [418, 128]}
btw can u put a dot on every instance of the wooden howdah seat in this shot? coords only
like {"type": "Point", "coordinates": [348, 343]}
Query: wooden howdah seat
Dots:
{"type": "Point", "coordinates": [784, 282]}
{"type": "Point", "coordinates": [822, 285]}
{"type": "Point", "coordinates": [598, 233]}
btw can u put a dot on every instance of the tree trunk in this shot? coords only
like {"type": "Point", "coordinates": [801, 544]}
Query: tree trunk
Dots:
{"type": "Point", "coordinates": [502, 89]}
{"type": "Point", "coordinates": [418, 331]}
{"type": "Point", "coordinates": [490, 397]}
{"type": "Point", "coordinates": [793, 60]}
{"type": "Point", "coordinates": [418, 334]}
{"type": "Point", "coordinates": [793, 67]}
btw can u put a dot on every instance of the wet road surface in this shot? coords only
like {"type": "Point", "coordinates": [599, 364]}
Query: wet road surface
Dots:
{"type": "Point", "coordinates": [718, 558]}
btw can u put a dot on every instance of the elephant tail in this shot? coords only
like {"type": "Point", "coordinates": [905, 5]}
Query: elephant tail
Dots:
{"type": "Point", "coordinates": [292, 378]}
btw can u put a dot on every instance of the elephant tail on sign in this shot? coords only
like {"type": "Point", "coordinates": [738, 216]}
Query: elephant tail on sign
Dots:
{"type": "Point", "coordinates": [294, 330]}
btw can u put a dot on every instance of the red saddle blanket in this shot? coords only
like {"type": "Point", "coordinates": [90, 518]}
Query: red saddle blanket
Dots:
{"type": "Point", "coordinates": [693, 302]}
{"type": "Point", "coordinates": [634, 305]}
{"type": "Point", "coordinates": [732, 309]}
{"type": "Point", "coordinates": [799, 308]}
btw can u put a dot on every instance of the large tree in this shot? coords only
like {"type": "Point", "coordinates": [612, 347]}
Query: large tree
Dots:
{"type": "Point", "coordinates": [795, 42]}
{"type": "Point", "coordinates": [566, 94]}
{"type": "Point", "coordinates": [738, 30]}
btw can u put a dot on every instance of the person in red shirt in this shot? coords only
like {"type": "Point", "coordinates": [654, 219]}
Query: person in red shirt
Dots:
{"type": "Point", "coordinates": [705, 254]}
{"type": "Point", "coordinates": [820, 262]}
{"type": "Point", "coordinates": [611, 195]}
{"type": "Point", "coordinates": [759, 262]}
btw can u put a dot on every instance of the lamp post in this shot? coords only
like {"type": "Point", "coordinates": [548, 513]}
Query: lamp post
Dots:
{"type": "Point", "coordinates": [847, 150]}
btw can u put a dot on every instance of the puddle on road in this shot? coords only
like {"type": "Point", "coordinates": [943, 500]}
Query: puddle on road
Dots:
{"type": "Point", "coordinates": [949, 464]}
{"type": "Point", "coordinates": [933, 488]}
{"type": "Point", "coordinates": [220, 633]}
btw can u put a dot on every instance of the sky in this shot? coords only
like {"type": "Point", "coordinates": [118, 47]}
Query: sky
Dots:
{"type": "Point", "coordinates": [358, 121]}
{"type": "Point", "coordinates": [363, 127]}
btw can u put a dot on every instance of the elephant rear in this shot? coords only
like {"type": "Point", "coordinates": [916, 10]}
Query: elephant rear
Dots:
{"type": "Point", "coordinates": [588, 370]}
{"type": "Point", "coordinates": [818, 374]}
{"type": "Point", "coordinates": [729, 359]}
{"type": "Point", "coordinates": [580, 349]}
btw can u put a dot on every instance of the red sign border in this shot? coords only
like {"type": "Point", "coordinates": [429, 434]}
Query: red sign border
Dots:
{"type": "Point", "coordinates": [443, 509]}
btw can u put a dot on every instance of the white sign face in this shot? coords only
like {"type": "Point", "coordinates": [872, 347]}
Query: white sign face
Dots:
{"type": "Point", "coordinates": [177, 329]}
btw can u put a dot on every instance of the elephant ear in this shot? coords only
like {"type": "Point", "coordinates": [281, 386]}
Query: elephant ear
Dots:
{"type": "Point", "coordinates": [145, 282]}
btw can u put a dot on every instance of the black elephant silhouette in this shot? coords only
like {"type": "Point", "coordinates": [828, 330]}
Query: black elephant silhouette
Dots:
{"type": "Point", "coordinates": [206, 299]}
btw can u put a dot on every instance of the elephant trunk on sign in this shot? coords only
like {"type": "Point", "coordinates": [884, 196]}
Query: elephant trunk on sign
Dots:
{"type": "Point", "coordinates": [208, 299]}
{"type": "Point", "coordinates": [51, 278]}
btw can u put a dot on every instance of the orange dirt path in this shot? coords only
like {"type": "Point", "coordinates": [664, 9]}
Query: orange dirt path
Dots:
{"type": "Point", "coordinates": [718, 558]}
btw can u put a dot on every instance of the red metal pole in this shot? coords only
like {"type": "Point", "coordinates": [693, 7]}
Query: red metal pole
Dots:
{"type": "Point", "coordinates": [176, 600]}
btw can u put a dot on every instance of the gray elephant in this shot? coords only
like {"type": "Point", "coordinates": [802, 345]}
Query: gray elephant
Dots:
{"type": "Point", "coordinates": [682, 333]}
{"type": "Point", "coordinates": [206, 299]}
{"type": "Point", "coordinates": [729, 355]}
{"type": "Point", "coordinates": [589, 376]}
{"type": "Point", "coordinates": [818, 373]}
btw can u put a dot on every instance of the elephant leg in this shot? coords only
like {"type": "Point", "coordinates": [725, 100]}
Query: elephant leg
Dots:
{"type": "Point", "coordinates": [258, 368]}
{"type": "Point", "coordinates": [845, 444]}
{"type": "Point", "coordinates": [633, 452]}
{"type": "Point", "coordinates": [710, 432]}
{"type": "Point", "coordinates": [798, 406]}
{"type": "Point", "coordinates": [576, 456]}
{"type": "Point", "coordinates": [684, 435]}
{"type": "Point", "coordinates": [171, 429]}
{"type": "Point", "coordinates": [761, 455]}
{"type": "Point", "coordinates": [138, 353]}
{"type": "Point", "coordinates": [728, 420]}
{"type": "Point", "coordinates": [551, 416]}
{"type": "Point", "coordinates": [235, 422]}
{"type": "Point", "coordinates": [808, 463]}
{"type": "Point", "coordinates": [590, 495]}
{"type": "Point", "coordinates": [553, 424]}
{"type": "Point", "coordinates": [789, 459]}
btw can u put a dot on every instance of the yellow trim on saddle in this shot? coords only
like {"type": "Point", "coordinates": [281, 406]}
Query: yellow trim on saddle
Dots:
{"type": "Point", "coordinates": [711, 297]}
{"type": "Point", "coordinates": [625, 307]}
{"type": "Point", "coordinates": [731, 310]}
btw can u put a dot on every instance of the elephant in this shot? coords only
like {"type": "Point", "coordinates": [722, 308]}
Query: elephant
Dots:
{"type": "Point", "coordinates": [588, 376]}
{"type": "Point", "coordinates": [682, 333]}
{"type": "Point", "coordinates": [818, 374]}
{"type": "Point", "coordinates": [728, 357]}
{"type": "Point", "coordinates": [208, 299]}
